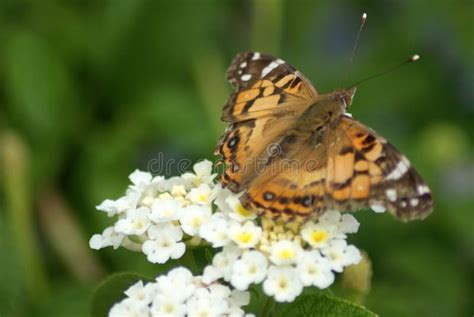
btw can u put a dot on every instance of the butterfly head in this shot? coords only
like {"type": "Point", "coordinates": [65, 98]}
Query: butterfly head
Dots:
{"type": "Point", "coordinates": [345, 96]}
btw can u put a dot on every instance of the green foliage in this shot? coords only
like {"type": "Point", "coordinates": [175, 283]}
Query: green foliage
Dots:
{"type": "Point", "coordinates": [110, 291]}
{"type": "Point", "coordinates": [321, 305]}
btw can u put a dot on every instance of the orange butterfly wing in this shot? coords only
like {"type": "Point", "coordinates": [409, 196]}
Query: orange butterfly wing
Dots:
{"type": "Point", "coordinates": [359, 170]}
{"type": "Point", "coordinates": [269, 95]}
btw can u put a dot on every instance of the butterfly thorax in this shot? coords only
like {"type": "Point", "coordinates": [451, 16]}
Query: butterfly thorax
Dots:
{"type": "Point", "coordinates": [325, 112]}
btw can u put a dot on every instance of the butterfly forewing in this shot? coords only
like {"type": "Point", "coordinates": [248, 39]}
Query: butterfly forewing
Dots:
{"type": "Point", "coordinates": [269, 95]}
{"type": "Point", "coordinates": [265, 86]}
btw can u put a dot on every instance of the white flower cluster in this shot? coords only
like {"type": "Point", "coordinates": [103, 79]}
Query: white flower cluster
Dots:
{"type": "Point", "coordinates": [179, 293]}
{"type": "Point", "coordinates": [156, 213]}
{"type": "Point", "coordinates": [285, 257]}
{"type": "Point", "coordinates": [160, 216]}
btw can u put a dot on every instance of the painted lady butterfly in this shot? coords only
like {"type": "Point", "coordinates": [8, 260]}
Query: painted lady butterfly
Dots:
{"type": "Point", "coordinates": [296, 153]}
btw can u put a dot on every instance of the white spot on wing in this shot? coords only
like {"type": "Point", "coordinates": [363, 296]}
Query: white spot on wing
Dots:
{"type": "Point", "coordinates": [423, 189]}
{"type": "Point", "coordinates": [414, 202]}
{"type": "Point", "coordinates": [347, 114]}
{"type": "Point", "coordinates": [391, 194]}
{"type": "Point", "coordinates": [243, 64]}
{"type": "Point", "coordinates": [271, 67]}
{"type": "Point", "coordinates": [399, 170]}
{"type": "Point", "coordinates": [256, 56]}
{"type": "Point", "coordinates": [246, 77]}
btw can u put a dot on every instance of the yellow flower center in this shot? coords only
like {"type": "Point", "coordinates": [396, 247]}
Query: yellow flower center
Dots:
{"type": "Point", "coordinates": [244, 237]}
{"type": "Point", "coordinates": [202, 198]}
{"type": "Point", "coordinates": [196, 221]}
{"type": "Point", "coordinates": [147, 201]}
{"type": "Point", "coordinates": [139, 224]}
{"type": "Point", "coordinates": [286, 254]}
{"type": "Point", "coordinates": [283, 283]}
{"type": "Point", "coordinates": [319, 236]}
{"type": "Point", "coordinates": [242, 211]}
{"type": "Point", "coordinates": [169, 308]}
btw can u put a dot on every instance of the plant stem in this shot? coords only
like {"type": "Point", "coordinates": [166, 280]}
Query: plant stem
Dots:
{"type": "Point", "coordinates": [16, 180]}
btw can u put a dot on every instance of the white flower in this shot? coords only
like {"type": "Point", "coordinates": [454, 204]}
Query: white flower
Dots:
{"type": "Point", "coordinates": [220, 195]}
{"type": "Point", "coordinates": [180, 294]}
{"type": "Point", "coordinates": [164, 243]}
{"type": "Point", "coordinates": [317, 235]}
{"type": "Point", "coordinates": [340, 254]}
{"type": "Point", "coordinates": [129, 308]}
{"type": "Point", "coordinates": [216, 230]}
{"type": "Point", "coordinates": [167, 306]}
{"type": "Point", "coordinates": [212, 273]}
{"type": "Point", "coordinates": [178, 190]}
{"type": "Point", "coordinates": [200, 195]}
{"type": "Point", "coordinates": [140, 179]}
{"type": "Point", "coordinates": [109, 206]}
{"type": "Point", "coordinates": [113, 207]}
{"type": "Point", "coordinates": [282, 283]}
{"type": "Point", "coordinates": [164, 210]}
{"type": "Point", "coordinates": [139, 293]}
{"type": "Point", "coordinates": [219, 291]}
{"type": "Point", "coordinates": [315, 270]}
{"type": "Point", "coordinates": [202, 174]}
{"type": "Point", "coordinates": [168, 184]}
{"type": "Point", "coordinates": [348, 224]}
{"type": "Point", "coordinates": [135, 223]}
{"type": "Point", "coordinates": [339, 224]}
{"type": "Point", "coordinates": [108, 238]}
{"type": "Point", "coordinates": [193, 217]}
{"type": "Point", "coordinates": [250, 268]}
{"type": "Point", "coordinates": [246, 235]}
{"type": "Point", "coordinates": [222, 264]}
{"type": "Point", "coordinates": [239, 298]}
{"type": "Point", "coordinates": [178, 283]}
{"type": "Point", "coordinates": [285, 252]}
{"type": "Point", "coordinates": [238, 212]}
{"type": "Point", "coordinates": [145, 185]}
{"type": "Point", "coordinates": [203, 305]}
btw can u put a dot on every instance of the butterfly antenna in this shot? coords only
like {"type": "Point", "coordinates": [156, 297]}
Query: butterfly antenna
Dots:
{"type": "Point", "coordinates": [413, 58]}
{"type": "Point", "coordinates": [349, 65]}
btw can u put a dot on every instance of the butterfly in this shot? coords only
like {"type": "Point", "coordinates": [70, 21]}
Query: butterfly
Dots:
{"type": "Point", "coordinates": [294, 153]}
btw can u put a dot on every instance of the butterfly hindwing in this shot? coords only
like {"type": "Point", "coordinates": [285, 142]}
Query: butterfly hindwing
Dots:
{"type": "Point", "coordinates": [359, 170]}
{"type": "Point", "coordinates": [365, 171]}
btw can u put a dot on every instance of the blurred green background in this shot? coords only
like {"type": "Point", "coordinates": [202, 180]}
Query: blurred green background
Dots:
{"type": "Point", "coordinates": [91, 90]}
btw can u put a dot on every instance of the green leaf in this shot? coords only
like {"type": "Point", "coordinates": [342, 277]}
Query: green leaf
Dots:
{"type": "Point", "coordinates": [111, 291]}
{"type": "Point", "coordinates": [321, 305]}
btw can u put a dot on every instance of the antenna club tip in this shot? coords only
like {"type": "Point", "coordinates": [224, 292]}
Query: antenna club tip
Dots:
{"type": "Point", "coordinates": [364, 16]}
{"type": "Point", "coordinates": [414, 58]}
